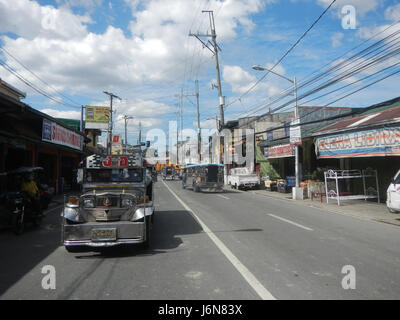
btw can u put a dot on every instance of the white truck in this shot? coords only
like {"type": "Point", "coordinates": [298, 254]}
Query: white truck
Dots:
{"type": "Point", "coordinates": [242, 178]}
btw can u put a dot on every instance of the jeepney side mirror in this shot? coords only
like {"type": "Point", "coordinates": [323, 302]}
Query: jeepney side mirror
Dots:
{"type": "Point", "coordinates": [79, 176]}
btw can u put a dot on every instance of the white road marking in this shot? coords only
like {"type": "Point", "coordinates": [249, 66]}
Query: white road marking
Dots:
{"type": "Point", "coordinates": [221, 196]}
{"type": "Point", "coordinates": [247, 275]}
{"type": "Point", "coordinates": [291, 222]}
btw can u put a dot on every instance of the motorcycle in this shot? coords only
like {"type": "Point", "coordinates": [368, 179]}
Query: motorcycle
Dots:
{"type": "Point", "coordinates": [12, 211]}
{"type": "Point", "coordinates": [18, 208]}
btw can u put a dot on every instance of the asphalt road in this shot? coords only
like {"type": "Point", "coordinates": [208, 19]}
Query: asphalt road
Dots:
{"type": "Point", "coordinates": [211, 246]}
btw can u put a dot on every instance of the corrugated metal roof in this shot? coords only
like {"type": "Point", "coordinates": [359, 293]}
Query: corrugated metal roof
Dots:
{"type": "Point", "coordinates": [385, 114]}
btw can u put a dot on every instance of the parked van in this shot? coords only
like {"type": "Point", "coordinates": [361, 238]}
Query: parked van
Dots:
{"type": "Point", "coordinates": [393, 194]}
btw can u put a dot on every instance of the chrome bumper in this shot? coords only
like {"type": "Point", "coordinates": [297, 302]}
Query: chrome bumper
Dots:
{"type": "Point", "coordinates": [81, 234]}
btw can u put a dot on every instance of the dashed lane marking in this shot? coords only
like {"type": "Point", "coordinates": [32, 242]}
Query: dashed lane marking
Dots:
{"type": "Point", "coordinates": [291, 222]}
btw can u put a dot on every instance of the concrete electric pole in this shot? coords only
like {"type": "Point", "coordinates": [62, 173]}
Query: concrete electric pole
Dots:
{"type": "Point", "coordinates": [110, 126]}
{"type": "Point", "coordinates": [214, 51]}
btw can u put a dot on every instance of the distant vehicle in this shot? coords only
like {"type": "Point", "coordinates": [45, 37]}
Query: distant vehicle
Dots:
{"type": "Point", "coordinates": [203, 177]}
{"type": "Point", "coordinates": [242, 178]}
{"type": "Point", "coordinates": [393, 194]}
{"type": "Point", "coordinates": [168, 172]}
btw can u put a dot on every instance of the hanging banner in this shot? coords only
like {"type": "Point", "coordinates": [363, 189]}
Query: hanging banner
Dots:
{"type": "Point", "coordinates": [54, 133]}
{"type": "Point", "coordinates": [295, 132]}
{"type": "Point", "coordinates": [281, 151]}
{"type": "Point", "coordinates": [97, 117]}
{"type": "Point", "coordinates": [367, 143]}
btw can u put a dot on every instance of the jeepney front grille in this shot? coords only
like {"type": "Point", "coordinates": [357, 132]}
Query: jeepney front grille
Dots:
{"type": "Point", "coordinates": [107, 201]}
{"type": "Point", "coordinates": [109, 207]}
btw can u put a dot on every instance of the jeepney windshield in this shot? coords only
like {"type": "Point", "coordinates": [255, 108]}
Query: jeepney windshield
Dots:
{"type": "Point", "coordinates": [114, 175]}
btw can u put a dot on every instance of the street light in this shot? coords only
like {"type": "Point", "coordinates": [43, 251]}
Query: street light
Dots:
{"type": "Point", "coordinates": [126, 118]}
{"type": "Point", "coordinates": [297, 192]}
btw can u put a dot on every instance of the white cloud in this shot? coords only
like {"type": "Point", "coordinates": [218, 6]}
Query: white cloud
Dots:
{"type": "Point", "coordinates": [56, 45]}
{"type": "Point", "coordinates": [393, 13]}
{"type": "Point", "coordinates": [62, 114]}
{"type": "Point", "coordinates": [29, 20]}
{"type": "Point", "coordinates": [337, 39]}
{"type": "Point", "coordinates": [238, 79]}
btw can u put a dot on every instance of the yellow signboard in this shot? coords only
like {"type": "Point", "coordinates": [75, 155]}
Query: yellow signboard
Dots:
{"type": "Point", "coordinates": [97, 117]}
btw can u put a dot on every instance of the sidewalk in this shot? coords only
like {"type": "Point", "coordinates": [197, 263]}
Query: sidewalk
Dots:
{"type": "Point", "coordinates": [360, 209]}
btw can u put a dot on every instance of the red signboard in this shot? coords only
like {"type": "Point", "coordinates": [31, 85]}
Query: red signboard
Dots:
{"type": "Point", "coordinates": [281, 151]}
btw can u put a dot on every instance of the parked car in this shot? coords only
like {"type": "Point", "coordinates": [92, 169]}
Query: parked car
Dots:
{"type": "Point", "coordinates": [393, 194]}
{"type": "Point", "coordinates": [242, 178]}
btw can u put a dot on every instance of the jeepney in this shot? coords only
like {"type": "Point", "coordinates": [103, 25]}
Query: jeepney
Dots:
{"type": "Point", "coordinates": [115, 206]}
{"type": "Point", "coordinates": [203, 177]}
{"type": "Point", "coordinates": [168, 172]}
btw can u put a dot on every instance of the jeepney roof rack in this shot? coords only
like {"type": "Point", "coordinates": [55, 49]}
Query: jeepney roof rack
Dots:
{"type": "Point", "coordinates": [97, 161]}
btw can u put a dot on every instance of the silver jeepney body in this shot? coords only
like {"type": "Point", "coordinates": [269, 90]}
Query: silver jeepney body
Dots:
{"type": "Point", "coordinates": [109, 213]}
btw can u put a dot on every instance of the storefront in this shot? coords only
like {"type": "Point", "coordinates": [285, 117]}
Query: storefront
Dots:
{"type": "Point", "coordinates": [29, 137]}
{"type": "Point", "coordinates": [371, 140]}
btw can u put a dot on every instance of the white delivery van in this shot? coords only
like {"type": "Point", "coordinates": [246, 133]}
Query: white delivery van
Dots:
{"type": "Point", "coordinates": [393, 194]}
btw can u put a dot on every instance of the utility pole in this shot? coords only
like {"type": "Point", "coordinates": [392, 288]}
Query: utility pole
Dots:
{"type": "Point", "coordinates": [110, 126]}
{"type": "Point", "coordinates": [180, 113]}
{"type": "Point", "coordinates": [198, 123]}
{"type": "Point", "coordinates": [140, 133]}
{"type": "Point", "coordinates": [198, 119]}
{"type": "Point", "coordinates": [81, 124]}
{"type": "Point", "coordinates": [214, 51]}
{"type": "Point", "coordinates": [177, 144]}
{"type": "Point", "coordinates": [126, 138]}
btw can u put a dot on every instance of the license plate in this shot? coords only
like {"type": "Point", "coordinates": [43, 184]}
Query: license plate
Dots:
{"type": "Point", "coordinates": [109, 234]}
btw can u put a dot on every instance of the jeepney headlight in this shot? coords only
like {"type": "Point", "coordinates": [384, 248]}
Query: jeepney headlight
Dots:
{"type": "Point", "coordinates": [71, 214]}
{"type": "Point", "coordinates": [145, 199]}
{"type": "Point", "coordinates": [88, 203]}
{"type": "Point", "coordinates": [73, 202]}
{"type": "Point", "coordinates": [126, 202]}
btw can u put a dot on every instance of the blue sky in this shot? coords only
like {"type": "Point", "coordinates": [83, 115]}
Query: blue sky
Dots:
{"type": "Point", "coordinates": [140, 50]}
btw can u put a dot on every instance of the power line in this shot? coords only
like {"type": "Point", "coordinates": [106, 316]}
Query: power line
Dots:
{"type": "Point", "coordinates": [363, 65]}
{"type": "Point", "coordinates": [287, 52]}
{"type": "Point", "coordinates": [36, 76]}
{"type": "Point", "coordinates": [31, 85]}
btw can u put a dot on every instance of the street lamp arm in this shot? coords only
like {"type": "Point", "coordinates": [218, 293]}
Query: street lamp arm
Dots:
{"type": "Point", "coordinates": [258, 68]}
